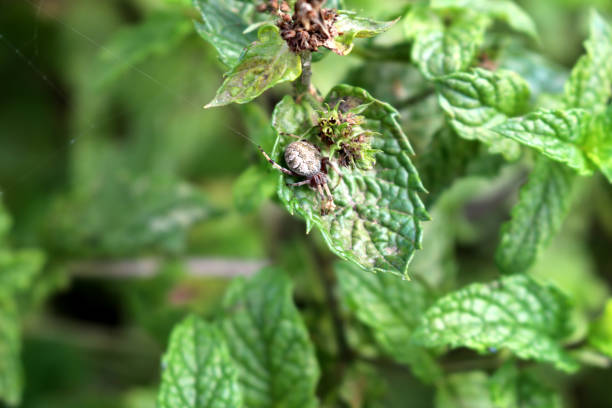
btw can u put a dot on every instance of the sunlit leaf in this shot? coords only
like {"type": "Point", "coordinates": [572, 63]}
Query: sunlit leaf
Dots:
{"type": "Point", "coordinates": [543, 204]}
{"type": "Point", "coordinates": [265, 63]}
{"type": "Point", "coordinates": [478, 100]}
{"type": "Point", "coordinates": [269, 342]}
{"type": "Point", "coordinates": [197, 369]}
{"type": "Point", "coordinates": [600, 335]}
{"type": "Point", "coordinates": [351, 26]}
{"type": "Point", "coordinates": [516, 313]}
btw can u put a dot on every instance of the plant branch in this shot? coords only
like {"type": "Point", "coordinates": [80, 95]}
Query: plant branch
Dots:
{"type": "Point", "coordinates": [148, 267]}
{"type": "Point", "coordinates": [302, 85]}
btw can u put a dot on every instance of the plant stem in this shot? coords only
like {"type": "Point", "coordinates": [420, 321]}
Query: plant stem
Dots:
{"type": "Point", "coordinates": [302, 85]}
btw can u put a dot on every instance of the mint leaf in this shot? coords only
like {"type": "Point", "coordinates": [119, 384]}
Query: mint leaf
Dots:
{"type": "Point", "coordinates": [444, 50]}
{"type": "Point", "coordinates": [598, 144]}
{"type": "Point", "coordinates": [392, 308]}
{"type": "Point", "coordinates": [157, 35]}
{"type": "Point", "coordinates": [223, 27]}
{"type": "Point", "coordinates": [478, 100]}
{"type": "Point", "coordinates": [511, 388]}
{"type": "Point", "coordinates": [556, 134]}
{"type": "Point", "coordinates": [264, 63]}
{"type": "Point", "coordinates": [350, 26]}
{"type": "Point", "coordinates": [600, 335]}
{"type": "Point", "coordinates": [517, 313]}
{"type": "Point", "coordinates": [197, 369]}
{"type": "Point", "coordinates": [11, 381]}
{"type": "Point", "coordinates": [377, 223]}
{"type": "Point", "coordinates": [504, 10]}
{"type": "Point", "coordinates": [543, 204]}
{"type": "Point", "coordinates": [269, 342]}
{"type": "Point", "coordinates": [464, 390]}
{"type": "Point", "coordinates": [590, 83]}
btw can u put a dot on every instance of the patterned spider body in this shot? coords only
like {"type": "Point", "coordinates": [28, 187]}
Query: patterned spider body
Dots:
{"type": "Point", "coordinates": [304, 160]}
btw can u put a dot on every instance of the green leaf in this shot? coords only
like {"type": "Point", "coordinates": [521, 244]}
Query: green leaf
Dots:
{"type": "Point", "coordinates": [600, 335]}
{"type": "Point", "coordinates": [444, 50]}
{"type": "Point", "coordinates": [543, 204]}
{"type": "Point", "coordinates": [156, 36]}
{"type": "Point", "coordinates": [11, 381]}
{"type": "Point", "coordinates": [269, 343]}
{"type": "Point", "coordinates": [478, 100]}
{"type": "Point", "coordinates": [464, 390]}
{"type": "Point", "coordinates": [350, 26]}
{"type": "Point", "coordinates": [254, 186]}
{"type": "Point", "coordinates": [377, 223]}
{"type": "Point", "coordinates": [505, 10]}
{"type": "Point", "coordinates": [265, 63]}
{"type": "Point", "coordinates": [224, 29]}
{"type": "Point", "coordinates": [556, 134]}
{"type": "Point", "coordinates": [511, 388]}
{"type": "Point", "coordinates": [197, 369]}
{"type": "Point", "coordinates": [517, 313]}
{"type": "Point", "coordinates": [590, 83]}
{"type": "Point", "coordinates": [392, 308]}
{"type": "Point", "coordinates": [598, 144]}
{"type": "Point", "coordinates": [18, 269]}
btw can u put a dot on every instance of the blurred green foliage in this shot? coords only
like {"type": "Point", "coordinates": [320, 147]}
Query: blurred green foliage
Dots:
{"type": "Point", "coordinates": [107, 154]}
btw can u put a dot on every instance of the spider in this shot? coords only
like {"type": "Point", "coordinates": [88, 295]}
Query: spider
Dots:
{"type": "Point", "coordinates": [304, 160]}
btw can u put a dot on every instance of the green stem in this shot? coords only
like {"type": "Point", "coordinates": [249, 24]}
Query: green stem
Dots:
{"type": "Point", "coordinates": [302, 85]}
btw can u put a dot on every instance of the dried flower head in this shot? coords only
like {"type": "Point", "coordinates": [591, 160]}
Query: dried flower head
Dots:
{"type": "Point", "coordinates": [310, 26]}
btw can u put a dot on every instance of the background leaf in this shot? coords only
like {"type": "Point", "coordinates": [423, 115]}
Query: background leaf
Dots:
{"type": "Point", "coordinates": [600, 335]}
{"type": "Point", "coordinates": [351, 26]}
{"type": "Point", "coordinates": [517, 313]}
{"type": "Point", "coordinates": [464, 390]}
{"type": "Point", "coordinates": [265, 63]}
{"type": "Point", "coordinates": [269, 342]}
{"type": "Point", "coordinates": [223, 27]}
{"type": "Point", "coordinates": [478, 100]}
{"type": "Point", "coordinates": [556, 134]}
{"type": "Point", "coordinates": [392, 308]}
{"type": "Point", "coordinates": [11, 381]}
{"type": "Point", "coordinates": [543, 205]}
{"type": "Point", "coordinates": [377, 222]}
{"type": "Point", "coordinates": [197, 369]}
{"type": "Point", "coordinates": [155, 36]}
{"type": "Point", "coordinates": [444, 50]}
{"type": "Point", "coordinates": [590, 83]}
{"type": "Point", "coordinates": [505, 10]}
{"type": "Point", "coordinates": [511, 388]}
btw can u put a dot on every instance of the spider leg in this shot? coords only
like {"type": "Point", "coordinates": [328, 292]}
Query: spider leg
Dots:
{"type": "Point", "coordinates": [275, 164]}
{"type": "Point", "coordinates": [299, 183]}
{"type": "Point", "coordinates": [328, 192]}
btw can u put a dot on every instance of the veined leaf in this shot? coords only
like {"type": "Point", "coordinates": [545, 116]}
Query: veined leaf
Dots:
{"type": "Point", "coordinates": [590, 83]}
{"type": "Point", "coordinates": [265, 63]}
{"type": "Point", "coordinates": [598, 145]}
{"type": "Point", "coordinates": [350, 26]}
{"type": "Point", "coordinates": [516, 313]}
{"type": "Point", "coordinates": [131, 45]}
{"type": "Point", "coordinates": [392, 308]}
{"type": "Point", "coordinates": [505, 10]}
{"type": "Point", "coordinates": [444, 50]}
{"type": "Point", "coordinates": [197, 369]}
{"type": "Point", "coordinates": [478, 100]}
{"type": "Point", "coordinates": [269, 342]}
{"type": "Point", "coordinates": [556, 134]}
{"type": "Point", "coordinates": [224, 29]}
{"type": "Point", "coordinates": [600, 335]}
{"type": "Point", "coordinates": [511, 388]}
{"type": "Point", "coordinates": [11, 381]}
{"type": "Point", "coordinates": [377, 221]}
{"type": "Point", "coordinates": [543, 204]}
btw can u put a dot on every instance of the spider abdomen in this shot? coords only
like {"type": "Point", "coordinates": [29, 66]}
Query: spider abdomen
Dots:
{"type": "Point", "coordinates": [303, 158]}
